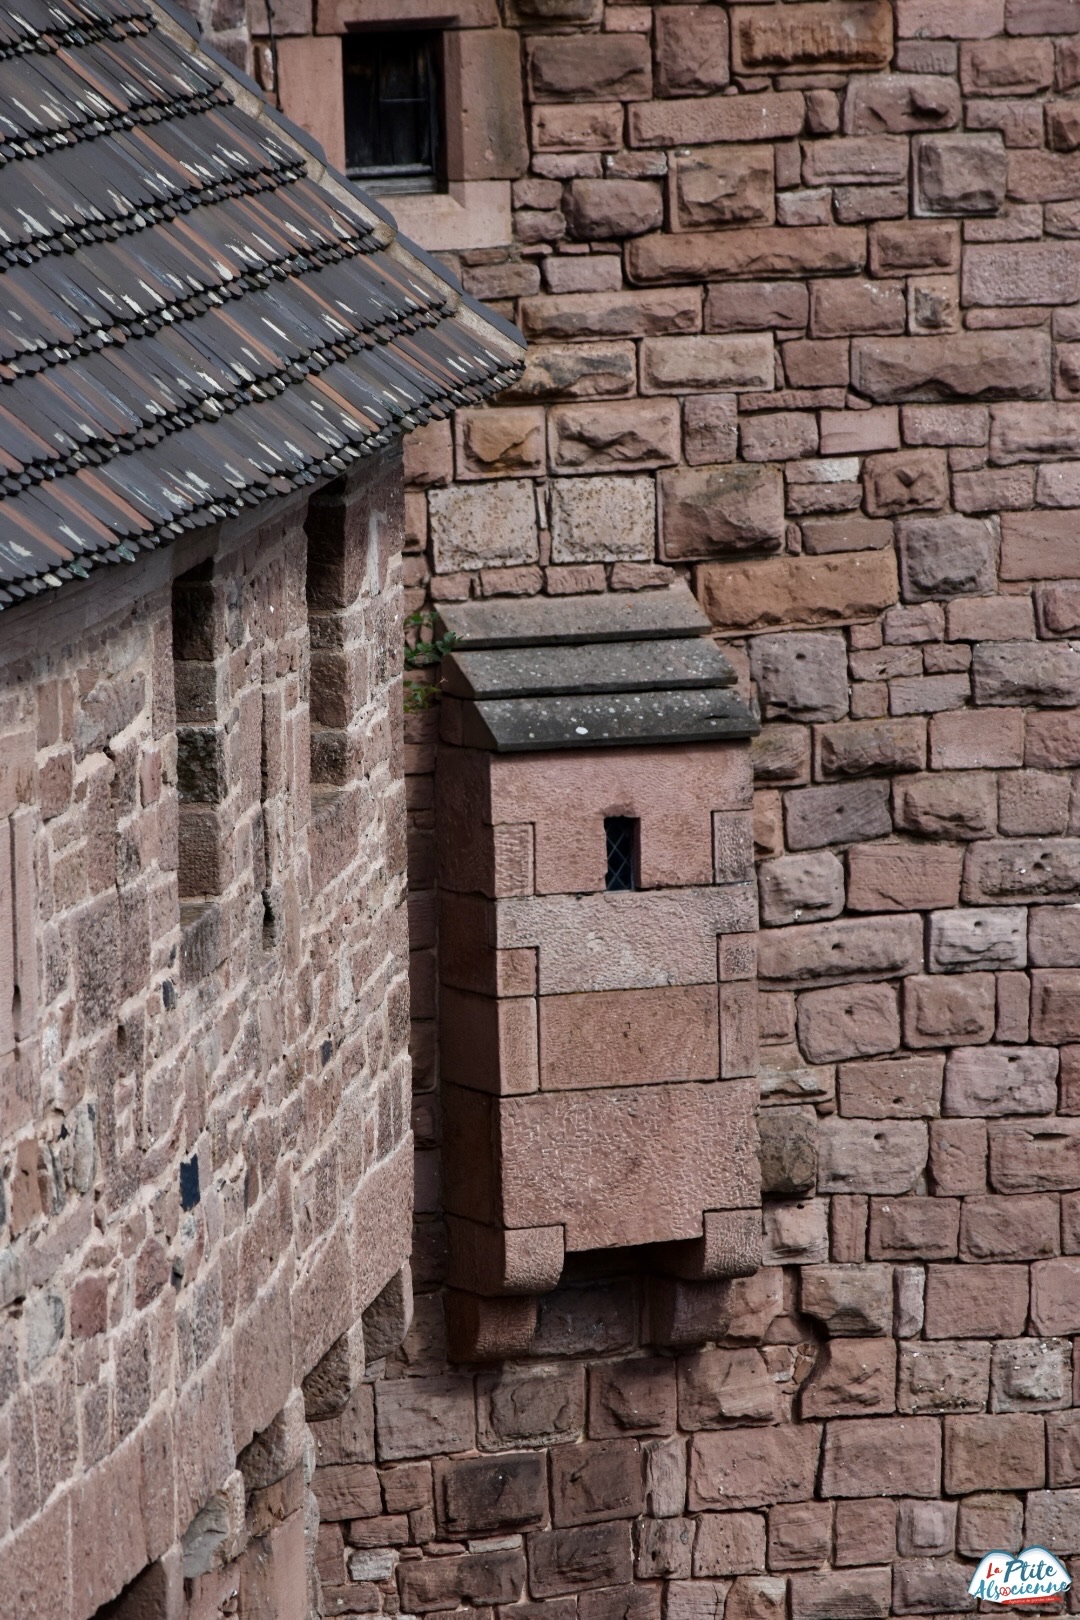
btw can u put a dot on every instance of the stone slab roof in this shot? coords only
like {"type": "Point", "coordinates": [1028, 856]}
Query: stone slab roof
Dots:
{"type": "Point", "coordinates": [196, 315]}
{"type": "Point", "coordinates": [586, 672]}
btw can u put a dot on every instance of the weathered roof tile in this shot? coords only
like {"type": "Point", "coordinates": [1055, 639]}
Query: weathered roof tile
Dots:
{"type": "Point", "coordinates": [193, 317]}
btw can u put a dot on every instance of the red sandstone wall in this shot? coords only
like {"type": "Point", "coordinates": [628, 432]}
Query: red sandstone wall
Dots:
{"type": "Point", "coordinates": [800, 281]}
{"type": "Point", "coordinates": [208, 967]}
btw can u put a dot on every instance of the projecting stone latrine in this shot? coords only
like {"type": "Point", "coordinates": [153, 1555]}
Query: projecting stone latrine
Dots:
{"type": "Point", "coordinates": [799, 282]}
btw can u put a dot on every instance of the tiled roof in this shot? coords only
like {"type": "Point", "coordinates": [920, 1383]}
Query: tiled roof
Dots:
{"type": "Point", "coordinates": [194, 315]}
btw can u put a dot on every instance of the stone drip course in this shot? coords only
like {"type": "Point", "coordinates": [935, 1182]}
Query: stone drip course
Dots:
{"type": "Point", "coordinates": [799, 282]}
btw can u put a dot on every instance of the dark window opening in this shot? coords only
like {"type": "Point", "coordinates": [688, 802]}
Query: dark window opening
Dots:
{"type": "Point", "coordinates": [392, 110]}
{"type": "Point", "coordinates": [621, 833]}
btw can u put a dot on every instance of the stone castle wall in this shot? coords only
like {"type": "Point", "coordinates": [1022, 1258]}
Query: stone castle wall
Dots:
{"type": "Point", "coordinates": [799, 282]}
{"type": "Point", "coordinates": [205, 1161]}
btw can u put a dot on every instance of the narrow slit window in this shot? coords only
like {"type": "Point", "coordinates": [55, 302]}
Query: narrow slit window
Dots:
{"type": "Point", "coordinates": [621, 833]}
{"type": "Point", "coordinates": [392, 110]}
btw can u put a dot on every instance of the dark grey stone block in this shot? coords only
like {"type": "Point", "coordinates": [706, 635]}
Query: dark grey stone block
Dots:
{"type": "Point", "coordinates": [524, 725]}
{"type": "Point", "coordinates": [624, 666]}
{"type": "Point", "coordinates": [543, 621]}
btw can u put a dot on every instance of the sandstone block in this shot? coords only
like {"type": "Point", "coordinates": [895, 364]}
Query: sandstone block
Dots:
{"type": "Point", "coordinates": [483, 524]}
{"type": "Point", "coordinates": [898, 247]}
{"type": "Point", "coordinates": [416, 1416]}
{"type": "Point", "coordinates": [913, 1228]}
{"type": "Point", "coordinates": [729, 1544]}
{"type": "Point", "coordinates": [1013, 1228]}
{"type": "Point", "coordinates": [896, 103]}
{"type": "Point", "coordinates": [945, 556]}
{"type": "Point", "coordinates": [973, 365]}
{"type": "Point", "coordinates": [989, 1519]}
{"type": "Point", "coordinates": [1052, 740]}
{"type": "Point", "coordinates": [795, 1231]}
{"type": "Point", "coordinates": [692, 50]}
{"type": "Point", "coordinates": [1042, 17]}
{"type": "Point", "coordinates": [631, 1397]}
{"type": "Point", "coordinates": [707, 363]}
{"type": "Point", "coordinates": [663, 1549]}
{"type": "Point", "coordinates": [788, 1139]}
{"type": "Point", "coordinates": [801, 888]}
{"type": "Point", "coordinates": [629, 1037]}
{"type": "Point", "coordinates": [927, 1528]}
{"type": "Point", "coordinates": [856, 948]}
{"type": "Point", "coordinates": [978, 938]}
{"type": "Point", "coordinates": [865, 1529]}
{"type": "Point", "coordinates": [953, 1376]}
{"type": "Point", "coordinates": [626, 435]}
{"type": "Point", "coordinates": [761, 251]}
{"type": "Point", "coordinates": [863, 747]}
{"type": "Point", "coordinates": [1050, 1520]}
{"type": "Point", "coordinates": [591, 1191]}
{"type": "Point", "coordinates": [756, 306]}
{"type": "Point", "coordinates": [779, 436]}
{"type": "Point", "coordinates": [900, 1088]}
{"type": "Point", "coordinates": [968, 741]}
{"type": "Point", "coordinates": [930, 1586]}
{"type": "Point", "coordinates": [800, 1535]}
{"type": "Point", "coordinates": [577, 371]}
{"type": "Point", "coordinates": [1003, 1080]}
{"type": "Point", "coordinates": [696, 122]}
{"type": "Point", "coordinates": [854, 1299]}
{"type": "Point", "coordinates": [882, 1457]}
{"type": "Point", "coordinates": [710, 511]}
{"type": "Point", "coordinates": [1021, 870]}
{"type": "Point", "coordinates": [756, 1598]}
{"type": "Point", "coordinates": [1035, 1156]}
{"type": "Point", "coordinates": [902, 877]}
{"type": "Point", "coordinates": [851, 1378]}
{"type": "Point", "coordinates": [1028, 1375]}
{"type": "Point", "coordinates": [532, 1408]}
{"type": "Point", "coordinates": [853, 34]}
{"type": "Point", "coordinates": [603, 519]}
{"type": "Point", "coordinates": [865, 1593]}
{"type": "Point", "coordinates": [499, 442]}
{"type": "Point", "coordinates": [818, 816]}
{"type": "Point", "coordinates": [600, 315]}
{"type": "Point", "coordinates": [602, 210]}
{"type": "Point", "coordinates": [1033, 802]}
{"type": "Point", "coordinates": [976, 1301]}
{"type": "Point", "coordinates": [490, 1493]}
{"type": "Point", "coordinates": [748, 1468]}
{"type": "Point", "coordinates": [596, 1480]}
{"type": "Point", "coordinates": [713, 186]}
{"type": "Point", "coordinates": [579, 1559]}
{"type": "Point", "coordinates": [847, 1022]}
{"type": "Point", "coordinates": [1054, 936]}
{"type": "Point", "coordinates": [940, 1011]}
{"type": "Point", "coordinates": [1015, 672]}
{"type": "Point", "coordinates": [855, 160]}
{"type": "Point", "coordinates": [1063, 1448]}
{"type": "Point", "coordinates": [567, 67]}
{"type": "Point", "coordinates": [906, 481]}
{"type": "Point", "coordinates": [939, 805]}
{"type": "Point", "coordinates": [994, 1453]}
{"type": "Point", "coordinates": [701, 1600]}
{"type": "Point", "coordinates": [710, 428]}
{"type": "Point", "coordinates": [801, 677]}
{"type": "Point", "coordinates": [1055, 1303]}
{"type": "Point", "coordinates": [797, 591]}
{"type": "Point", "coordinates": [960, 174]}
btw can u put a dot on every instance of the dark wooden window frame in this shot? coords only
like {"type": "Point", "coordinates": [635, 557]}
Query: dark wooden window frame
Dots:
{"type": "Point", "coordinates": [394, 142]}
